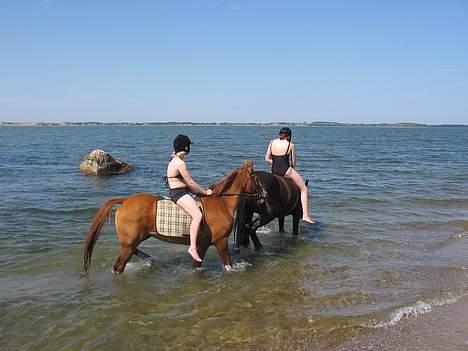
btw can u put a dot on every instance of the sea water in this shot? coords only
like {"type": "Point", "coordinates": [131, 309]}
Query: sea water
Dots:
{"type": "Point", "coordinates": [391, 240]}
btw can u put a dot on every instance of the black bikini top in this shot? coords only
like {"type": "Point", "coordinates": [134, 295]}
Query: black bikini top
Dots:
{"type": "Point", "coordinates": [179, 176]}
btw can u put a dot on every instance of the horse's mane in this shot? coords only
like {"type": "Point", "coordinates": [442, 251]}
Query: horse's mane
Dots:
{"type": "Point", "coordinates": [225, 182]}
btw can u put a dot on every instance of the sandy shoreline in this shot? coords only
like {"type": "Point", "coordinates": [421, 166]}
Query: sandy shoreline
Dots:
{"type": "Point", "coordinates": [445, 328]}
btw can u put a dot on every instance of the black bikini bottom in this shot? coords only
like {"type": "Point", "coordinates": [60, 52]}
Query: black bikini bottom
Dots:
{"type": "Point", "coordinates": [176, 193]}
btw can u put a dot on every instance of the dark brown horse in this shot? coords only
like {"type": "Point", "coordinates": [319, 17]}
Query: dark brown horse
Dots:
{"type": "Point", "coordinates": [135, 219]}
{"type": "Point", "coordinates": [283, 198]}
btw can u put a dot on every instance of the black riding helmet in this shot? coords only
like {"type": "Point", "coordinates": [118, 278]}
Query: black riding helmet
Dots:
{"type": "Point", "coordinates": [286, 132]}
{"type": "Point", "coordinates": [182, 143]}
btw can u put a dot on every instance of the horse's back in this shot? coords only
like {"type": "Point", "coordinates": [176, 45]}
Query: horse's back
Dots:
{"type": "Point", "coordinates": [283, 194]}
{"type": "Point", "coordinates": [138, 210]}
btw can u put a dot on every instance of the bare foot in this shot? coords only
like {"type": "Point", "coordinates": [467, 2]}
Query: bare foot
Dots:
{"type": "Point", "coordinates": [193, 252]}
{"type": "Point", "coordinates": [308, 220]}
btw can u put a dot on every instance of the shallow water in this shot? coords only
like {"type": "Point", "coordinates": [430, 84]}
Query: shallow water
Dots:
{"type": "Point", "coordinates": [391, 240]}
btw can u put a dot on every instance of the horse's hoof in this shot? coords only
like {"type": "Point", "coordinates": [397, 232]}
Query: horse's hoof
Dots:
{"type": "Point", "coordinates": [228, 267]}
{"type": "Point", "coordinates": [258, 248]}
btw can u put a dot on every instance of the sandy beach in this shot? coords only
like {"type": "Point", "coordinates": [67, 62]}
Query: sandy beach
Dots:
{"type": "Point", "coordinates": [444, 328]}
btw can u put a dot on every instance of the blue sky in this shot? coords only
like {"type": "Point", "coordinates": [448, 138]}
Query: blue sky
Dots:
{"type": "Point", "coordinates": [234, 60]}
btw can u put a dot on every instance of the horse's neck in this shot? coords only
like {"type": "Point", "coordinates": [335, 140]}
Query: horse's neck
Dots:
{"type": "Point", "coordinates": [230, 202]}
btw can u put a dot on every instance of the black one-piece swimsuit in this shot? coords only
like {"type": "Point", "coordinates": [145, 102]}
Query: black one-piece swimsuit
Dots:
{"type": "Point", "coordinates": [280, 164]}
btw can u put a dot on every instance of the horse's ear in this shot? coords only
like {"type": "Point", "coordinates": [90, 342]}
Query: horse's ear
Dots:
{"type": "Point", "coordinates": [248, 164]}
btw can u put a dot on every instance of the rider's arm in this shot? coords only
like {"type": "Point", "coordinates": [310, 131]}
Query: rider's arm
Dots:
{"type": "Point", "coordinates": [293, 156]}
{"type": "Point", "coordinates": [268, 154]}
{"type": "Point", "coordinates": [182, 168]}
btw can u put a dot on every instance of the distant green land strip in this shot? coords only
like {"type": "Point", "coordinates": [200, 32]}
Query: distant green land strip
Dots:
{"type": "Point", "coordinates": [312, 124]}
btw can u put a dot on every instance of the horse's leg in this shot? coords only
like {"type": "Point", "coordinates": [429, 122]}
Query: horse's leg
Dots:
{"type": "Point", "coordinates": [281, 224]}
{"type": "Point", "coordinates": [253, 235]}
{"type": "Point", "coordinates": [243, 233]}
{"type": "Point", "coordinates": [129, 238]}
{"type": "Point", "coordinates": [126, 253]}
{"type": "Point", "coordinates": [141, 254]}
{"type": "Point", "coordinates": [222, 247]}
{"type": "Point", "coordinates": [202, 247]}
{"type": "Point", "coordinates": [262, 220]}
{"type": "Point", "coordinates": [252, 228]}
{"type": "Point", "coordinates": [297, 215]}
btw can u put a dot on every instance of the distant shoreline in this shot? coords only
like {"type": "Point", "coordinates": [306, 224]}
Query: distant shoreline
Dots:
{"type": "Point", "coordinates": [311, 124]}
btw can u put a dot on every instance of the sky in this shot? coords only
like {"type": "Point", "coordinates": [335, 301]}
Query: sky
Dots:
{"type": "Point", "coordinates": [234, 61]}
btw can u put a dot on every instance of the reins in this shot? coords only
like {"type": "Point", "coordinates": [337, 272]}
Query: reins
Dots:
{"type": "Point", "coordinates": [259, 191]}
{"type": "Point", "coordinates": [238, 194]}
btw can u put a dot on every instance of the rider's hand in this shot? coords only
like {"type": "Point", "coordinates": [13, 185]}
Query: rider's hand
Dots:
{"type": "Point", "coordinates": [209, 192]}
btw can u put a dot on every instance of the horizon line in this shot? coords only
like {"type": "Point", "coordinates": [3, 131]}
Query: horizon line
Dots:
{"type": "Point", "coordinates": [304, 123]}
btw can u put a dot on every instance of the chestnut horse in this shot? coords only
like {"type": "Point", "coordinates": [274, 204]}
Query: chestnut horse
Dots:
{"type": "Point", "coordinates": [136, 217]}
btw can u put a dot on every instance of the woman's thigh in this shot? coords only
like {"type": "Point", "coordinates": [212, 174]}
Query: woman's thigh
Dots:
{"type": "Point", "coordinates": [295, 176]}
{"type": "Point", "coordinates": [189, 205]}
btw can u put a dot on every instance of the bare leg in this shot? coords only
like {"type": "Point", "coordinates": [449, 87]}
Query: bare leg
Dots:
{"type": "Point", "coordinates": [296, 177]}
{"type": "Point", "coordinates": [188, 204]}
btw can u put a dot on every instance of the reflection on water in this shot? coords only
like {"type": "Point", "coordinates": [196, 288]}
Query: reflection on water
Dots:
{"type": "Point", "coordinates": [390, 241]}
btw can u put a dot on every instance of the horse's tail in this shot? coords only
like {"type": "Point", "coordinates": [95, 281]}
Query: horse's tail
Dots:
{"type": "Point", "coordinates": [100, 218]}
{"type": "Point", "coordinates": [241, 234]}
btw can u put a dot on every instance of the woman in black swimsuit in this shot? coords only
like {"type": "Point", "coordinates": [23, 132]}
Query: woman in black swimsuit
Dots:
{"type": "Point", "coordinates": [180, 183]}
{"type": "Point", "coordinates": [279, 152]}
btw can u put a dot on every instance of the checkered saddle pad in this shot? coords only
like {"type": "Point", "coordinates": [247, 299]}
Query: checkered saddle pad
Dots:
{"type": "Point", "coordinates": [171, 220]}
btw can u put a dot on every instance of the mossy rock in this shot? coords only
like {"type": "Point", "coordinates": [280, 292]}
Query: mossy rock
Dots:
{"type": "Point", "coordinates": [99, 162]}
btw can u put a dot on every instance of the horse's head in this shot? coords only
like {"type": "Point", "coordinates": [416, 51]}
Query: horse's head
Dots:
{"type": "Point", "coordinates": [252, 183]}
{"type": "Point", "coordinates": [241, 181]}
{"type": "Point", "coordinates": [247, 176]}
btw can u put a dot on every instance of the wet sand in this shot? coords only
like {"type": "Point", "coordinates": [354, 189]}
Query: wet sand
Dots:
{"type": "Point", "coordinates": [445, 328]}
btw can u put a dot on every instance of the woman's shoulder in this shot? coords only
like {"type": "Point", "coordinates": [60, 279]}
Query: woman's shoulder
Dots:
{"type": "Point", "coordinates": [176, 161]}
{"type": "Point", "coordinates": [275, 141]}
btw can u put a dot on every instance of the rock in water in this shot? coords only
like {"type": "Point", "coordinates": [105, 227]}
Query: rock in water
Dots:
{"type": "Point", "coordinates": [99, 162]}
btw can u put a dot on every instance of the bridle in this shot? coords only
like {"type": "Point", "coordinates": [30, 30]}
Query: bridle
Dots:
{"type": "Point", "coordinates": [260, 194]}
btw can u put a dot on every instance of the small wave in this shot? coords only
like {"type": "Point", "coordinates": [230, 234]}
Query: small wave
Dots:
{"type": "Point", "coordinates": [140, 266]}
{"type": "Point", "coordinates": [238, 267]}
{"type": "Point", "coordinates": [37, 210]}
{"type": "Point", "coordinates": [264, 230]}
{"type": "Point", "coordinates": [413, 311]}
{"type": "Point", "coordinates": [405, 312]}
{"type": "Point", "coordinates": [140, 323]}
{"type": "Point", "coordinates": [449, 239]}
{"type": "Point", "coordinates": [459, 235]}
{"type": "Point", "coordinates": [460, 202]}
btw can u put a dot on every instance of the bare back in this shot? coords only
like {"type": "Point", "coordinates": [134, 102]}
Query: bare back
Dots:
{"type": "Point", "coordinates": [281, 147]}
{"type": "Point", "coordinates": [174, 176]}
